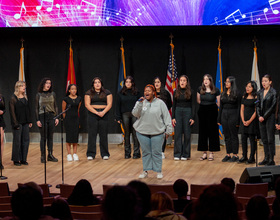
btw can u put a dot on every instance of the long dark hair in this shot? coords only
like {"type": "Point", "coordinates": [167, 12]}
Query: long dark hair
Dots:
{"type": "Point", "coordinates": [133, 87]}
{"type": "Point", "coordinates": [69, 87]}
{"type": "Point", "coordinates": [179, 89]}
{"type": "Point", "coordinates": [163, 94]}
{"type": "Point", "coordinates": [233, 90]}
{"type": "Point", "coordinates": [269, 78]}
{"type": "Point", "coordinates": [102, 93]}
{"type": "Point", "coordinates": [42, 84]}
{"type": "Point", "coordinates": [255, 88]}
{"type": "Point", "coordinates": [212, 86]}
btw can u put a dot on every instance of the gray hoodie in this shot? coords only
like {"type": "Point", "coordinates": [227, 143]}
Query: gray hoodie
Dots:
{"type": "Point", "coordinates": [153, 117]}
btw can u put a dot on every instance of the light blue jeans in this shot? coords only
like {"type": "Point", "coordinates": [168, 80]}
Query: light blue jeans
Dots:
{"type": "Point", "coordinates": [151, 151]}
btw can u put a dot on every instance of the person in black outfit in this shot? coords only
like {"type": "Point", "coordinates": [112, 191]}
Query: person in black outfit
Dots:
{"type": "Point", "coordinates": [21, 122]}
{"type": "Point", "coordinates": [249, 124]}
{"type": "Point", "coordinates": [208, 98]}
{"type": "Point", "coordinates": [98, 102]}
{"type": "Point", "coordinates": [2, 126]}
{"type": "Point", "coordinates": [83, 194]}
{"type": "Point", "coordinates": [266, 108]}
{"type": "Point", "coordinates": [183, 114]}
{"type": "Point", "coordinates": [73, 102]}
{"type": "Point", "coordinates": [126, 99]}
{"type": "Point", "coordinates": [165, 96]}
{"type": "Point", "coordinates": [229, 117]}
{"type": "Point", "coordinates": [46, 102]}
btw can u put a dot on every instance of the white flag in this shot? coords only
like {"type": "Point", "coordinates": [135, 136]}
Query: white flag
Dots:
{"type": "Point", "coordinates": [255, 71]}
{"type": "Point", "coordinates": [21, 75]}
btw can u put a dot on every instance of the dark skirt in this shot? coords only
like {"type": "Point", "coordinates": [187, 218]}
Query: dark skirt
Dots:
{"type": "Point", "coordinates": [208, 135]}
{"type": "Point", "coordinates": [72, 129]}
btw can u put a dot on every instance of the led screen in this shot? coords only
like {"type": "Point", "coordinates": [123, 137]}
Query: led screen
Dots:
{"type": "Point", "coordinates": [62, 13]}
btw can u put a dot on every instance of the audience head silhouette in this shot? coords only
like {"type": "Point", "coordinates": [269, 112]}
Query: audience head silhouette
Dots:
{"type": "Point", "coordinates": [60, 209]}
{"type": "Point", "coordinates": [229, 182]}
{"type": "Point", "coordinates": [257, 208]}
{"type": "Point", "coordinates": [181, 188]}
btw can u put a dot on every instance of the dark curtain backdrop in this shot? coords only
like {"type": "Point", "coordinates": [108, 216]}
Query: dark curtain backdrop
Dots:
{"type": "Point", "coordinates": [97, 53]}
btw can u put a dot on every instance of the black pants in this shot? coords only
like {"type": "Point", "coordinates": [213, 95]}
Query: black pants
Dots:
{"type": "Point", "coordinates": [229, 122]}
{"type": "Point", "coordinates": [267, 130]}
{"type": "Point", "coordinates": [49, 130]}
{"type": "Point", "coordinates": [208, 128]}
{"type": "Point", "coordinates": [253, 143]}
{"type": "Point", "coordinates": [97, 125]}
{"type": "Point", "coordinates": [20, 143]}
{"type": "Point", "coordinates": [128, 121]}
{"type": "Point", "coordinates": [182, 145]}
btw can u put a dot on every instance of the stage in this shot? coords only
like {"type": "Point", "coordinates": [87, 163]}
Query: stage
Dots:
{"type": "Point", "coordinates": [118, 170]}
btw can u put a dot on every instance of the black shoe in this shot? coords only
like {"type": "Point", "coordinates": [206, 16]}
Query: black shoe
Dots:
{"type": "Point", "coordinates": [226, 158]}
{"type": "Point", "coordinates": [264, 162]}
{"type": "Point", "coordinates": [43, 159]}
{"type": "Point", "coordinates": [234, 159]}
{"type": "Point", "coordinates": [251, 160]}
{"type": "Point", "coordinates": [136, 157]}
{"type": "Point", "coordinates": [16, 163]}
{"type": "Point", "coordinates": [24, 162]}
{"type": "Point", "coordinates": [243, 160]}
{"type": "Point", "coordinates": [52, 158]}
{"type": "Point", "coordinates": [1, 166]}
{"type": "Point", "coordinates": [270, 163]}
{"type": "Point", "coordinates": [127, 156]}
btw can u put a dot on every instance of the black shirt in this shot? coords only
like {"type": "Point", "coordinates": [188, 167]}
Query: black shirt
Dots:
{"type": "Point", "coordinates": [208, 98]}
{"type": "Point", "coordinates": [98, 98]}
{"type": "Point", "coordinates": [164, 95]}
{"type": "Point", "coordinates": [181, 101]}
{"type": "Point", "coordinates": [125, 102]}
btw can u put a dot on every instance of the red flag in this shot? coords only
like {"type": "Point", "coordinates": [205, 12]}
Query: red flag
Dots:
{"type": "Point", "coordinates": [71, 78]}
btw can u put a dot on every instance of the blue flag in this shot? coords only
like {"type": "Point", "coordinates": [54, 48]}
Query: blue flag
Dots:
{"type": "Point", "coordinates": [122, 73]}
{"type": "Point", "coordinates": [219, 82]}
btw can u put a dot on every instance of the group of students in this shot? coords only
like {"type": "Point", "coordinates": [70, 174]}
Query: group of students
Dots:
{"type": "Point", "coordinates": [149, 121]}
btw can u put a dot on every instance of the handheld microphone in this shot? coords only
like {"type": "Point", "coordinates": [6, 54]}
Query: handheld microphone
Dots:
{"type": "Point", "coordinates": [256, 101]}
{"type": "Point", "coordinates": [68, 106]}
{"type": "Point", "coordinates": [141, 99]}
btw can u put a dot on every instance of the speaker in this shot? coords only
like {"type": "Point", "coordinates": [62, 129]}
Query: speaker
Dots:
{"type": "Point", "coordinates": [267, 174]}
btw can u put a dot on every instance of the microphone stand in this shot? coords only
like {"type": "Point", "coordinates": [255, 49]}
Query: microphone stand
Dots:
{"type": "Point", "coordinates": [60, 115]}
{"type": "Point", "coordinates": [45, 142]}
{"type": "Point", "coordinates": [1, 176]}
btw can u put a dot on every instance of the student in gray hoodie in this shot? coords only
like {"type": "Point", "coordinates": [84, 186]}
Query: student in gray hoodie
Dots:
{"type": "Point", "coordinates": [152, 125]}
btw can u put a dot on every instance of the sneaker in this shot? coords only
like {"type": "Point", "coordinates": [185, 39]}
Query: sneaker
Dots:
{"type": "Point", "coordinates": [90, 158]}
{"type": "Point", "coordinates": [234, 159]}
{"type": "Point", "coordinates": [105, 158]}
{"type": "Point", "coordinates": [162, 155]}
{"type": "Point", "coordinates": [159, 175]}
{"type": "Point", "coordinates": [226, 158]}
{"type": "Point", "coordinates": [183, 158]}
{"type": "Point", "coordinates": [69, 157]}
{"type": "Point", "coordinates": [75, 157]}
{"type": "Point", "coordinates": [176, 158]}
{"type": "Point", "coordinates": [143, 175]}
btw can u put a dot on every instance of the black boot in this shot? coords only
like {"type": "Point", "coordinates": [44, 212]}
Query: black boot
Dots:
{"type": "Point", "coordinates": [243, 159]}
{"type": "Point", "coordinates": [43, 158]}
{"type": "Point", "coordinates": [265, 161]}
{"type": "Point", "coordinates": [251, 160]}
{"type": "Point", "coordinates": [52, 158]}
{"type": "Point", "coordinates": [271, 161]}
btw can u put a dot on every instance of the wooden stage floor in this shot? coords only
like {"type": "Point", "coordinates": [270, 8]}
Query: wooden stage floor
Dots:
{"type": "Point", "coordinates": [118, 170]}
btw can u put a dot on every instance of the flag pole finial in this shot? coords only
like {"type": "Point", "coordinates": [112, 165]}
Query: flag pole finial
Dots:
{"type": "Point", "coordinates": [171, 38]}
{"type": "Point", "coordinates": [70, 40]}
{"type": "Point", "coordinates": [255, 41]}
{"type": "Point", "coordinates": [122, 39]}
{"type": "Point", "coordinates": [220, 40]}
{"type": "Point", "coordinates": [21, 40]}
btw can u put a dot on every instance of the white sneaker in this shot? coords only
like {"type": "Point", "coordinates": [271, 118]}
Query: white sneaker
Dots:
{"type": "Point", "coordinates": [176, 158]}
{"type": "Point", "coordinates": [69, 157]}
{"type": "Point", "coordinates": [90, 158]}
{"type": "Point", "coordinates": [75, 157]}
{"type": "Point", "coordinates": [162, 155]}
{"type": "Point", "coordinates": [143, 175]}
{"type": "Point", "coordinates": [159, 175]}
{"type": "Point", "coordinates": [182, 158]}
{"type": "Point", "coordinates": [105, 158]}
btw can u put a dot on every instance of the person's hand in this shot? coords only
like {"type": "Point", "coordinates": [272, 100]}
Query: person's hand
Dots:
{"type": "Point", "coordinates": [119, 121]}
{"type": "Point", "coordinates": [174, 122]}
{"type": "Point", "coordinates": [141, 99]}
{"type": "Point", "coordinates": [261, 119]}
{"type": "Point", "coordinates": [191, 122]}
{"type": "Point", "coordinates": [30, 125]}
{"type": "Point", "coordinates": [277, 127]}
{"type": "Point", "coordinates": [101, 114]}
{"type": "Point", "coordinates": [39, 124]}
{"type": "Point", "coordinates": [1, 112]}
{"type": "Point", "coordinates": [219, 124]}
{"type": "Point", "coordinates": [56, 122]}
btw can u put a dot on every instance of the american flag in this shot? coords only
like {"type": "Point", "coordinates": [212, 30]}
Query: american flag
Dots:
{"type": "Point", "coordinates": [172, 77]}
